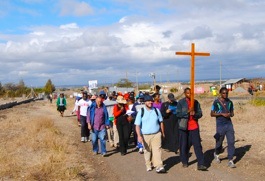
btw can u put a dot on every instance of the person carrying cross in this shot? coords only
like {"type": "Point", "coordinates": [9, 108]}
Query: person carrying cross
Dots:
{"type": "Point", "coordinates": [189, 133]}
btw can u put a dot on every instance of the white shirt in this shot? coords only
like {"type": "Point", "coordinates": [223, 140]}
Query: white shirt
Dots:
{"type": "Point", "coordinates": [84, 104]}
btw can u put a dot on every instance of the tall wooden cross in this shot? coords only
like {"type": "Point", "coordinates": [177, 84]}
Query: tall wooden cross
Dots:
{"type": "Point", "coordinates": [192, 68]}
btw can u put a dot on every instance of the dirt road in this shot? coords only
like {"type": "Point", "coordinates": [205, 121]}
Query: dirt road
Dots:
{"type": "Point", "coordinates": [131, 166]}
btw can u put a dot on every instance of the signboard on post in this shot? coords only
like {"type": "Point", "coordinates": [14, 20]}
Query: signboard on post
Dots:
{"type": "Point", "coordinates": [92, 84]}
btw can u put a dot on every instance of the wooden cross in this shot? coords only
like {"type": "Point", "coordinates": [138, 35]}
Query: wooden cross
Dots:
{"type": "Point", "coordinates": [192, 68]}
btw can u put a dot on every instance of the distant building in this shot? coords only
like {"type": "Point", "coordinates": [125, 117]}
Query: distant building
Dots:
{"type": "Point", "coordinates": [232, 84]}
{"type": "Point", "coordinates": [121, 89]}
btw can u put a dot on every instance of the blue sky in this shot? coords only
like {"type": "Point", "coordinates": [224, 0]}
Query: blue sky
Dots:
{"type": "Point", "coordinates": [73, 41]}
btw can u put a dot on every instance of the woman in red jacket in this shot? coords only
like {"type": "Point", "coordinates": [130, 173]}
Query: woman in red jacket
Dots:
{"type": "Point", "coordinates": [123, 123]}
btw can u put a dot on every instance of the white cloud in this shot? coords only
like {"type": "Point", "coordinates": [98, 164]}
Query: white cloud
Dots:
{"type": "Point", "coordinates": [74, 8]}
{"type": "Point", "coordinates": [199, 32]}
{"type": "Point", "coordinates": [139, 43]}
{"type": "Point", "coordinates": [69, 26]}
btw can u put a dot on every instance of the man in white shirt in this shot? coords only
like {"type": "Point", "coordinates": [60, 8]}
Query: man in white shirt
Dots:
{"type": "Point", "coordinates": [83, 105]}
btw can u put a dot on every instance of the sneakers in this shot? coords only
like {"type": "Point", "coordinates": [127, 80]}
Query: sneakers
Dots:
{"type": "Point", "coordinates": [103, 154]}
{"type": "Point", "coordinates": [231, 164]}
{"type": "Point", "coordinates": [216, 158]}
{"type": "Point", "coordinates": [141, 150]}
{"type": "Point", "coordinates": [149, 169]}
{"type": "Point", "coordinates": [86, 140]}
{"type": "Point", "coordinates": [160, 170]}
{"type": "Point", "coordinates": [201, 168]}
{"type": "Point", "coordinates": [83, 139]}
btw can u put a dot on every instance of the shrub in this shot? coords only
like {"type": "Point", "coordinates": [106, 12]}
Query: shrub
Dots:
{"type": "Point", "coordinates": [258, 102]}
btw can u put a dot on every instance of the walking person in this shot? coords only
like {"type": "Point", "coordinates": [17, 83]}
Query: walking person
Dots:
{"type": "Point", "coordinates": [157, 101]}
{"type": "Point", "coordinates": [189, 133]}
{"type": "Point", "coordinates": [98, 122]}
{"type": "Point", "coordinates": [110, 133]}
{"type": "Point", "coordinates": [169, 113]}
{"type": "Point", "coordinates": [61, 104]}
{"type": "Point", "coordinates": [75, 110]}
{"type": "Point", "coordinates": [123, 124]}
{"type": "Point", "coordinates": [136, 107]}
{"type": "Point", "coordinates": [150, 130]}
{"type": "Point", "coordinates": [83, 105]}
{"type": "Point", "coordinates": [223, 110]}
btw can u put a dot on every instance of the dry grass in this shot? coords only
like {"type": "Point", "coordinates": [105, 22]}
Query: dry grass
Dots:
{"type": "Point", "coordinates": [34, 150]}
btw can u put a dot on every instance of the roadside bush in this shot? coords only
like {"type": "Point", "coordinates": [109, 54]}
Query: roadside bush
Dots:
{"type": "Point", "coordinates": [173, 89]}
{"type": "Point", "coordinates": [258, 102]}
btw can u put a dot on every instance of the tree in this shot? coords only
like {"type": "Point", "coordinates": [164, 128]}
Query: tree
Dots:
{"type": "Point", "coordinates": [21, 84]}
{"type": "Point", "coordinates": [124, 83]}
{"type": "Point", "coordinates": [49, 87]}
{"type": "Point", "coordinates": [2, 90]}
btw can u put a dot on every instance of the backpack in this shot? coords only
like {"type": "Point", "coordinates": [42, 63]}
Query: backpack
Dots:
{"type": "Point", "coordinates": [142, 114]}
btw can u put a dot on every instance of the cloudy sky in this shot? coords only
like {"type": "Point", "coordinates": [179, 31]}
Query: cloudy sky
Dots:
{"type": "Point", "coordinates": [73, 41]}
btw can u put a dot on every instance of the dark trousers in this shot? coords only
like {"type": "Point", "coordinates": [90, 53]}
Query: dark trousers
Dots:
{"type": "Point", "coordinates": [84, 128]}
{"type": "Point", "coordinates": [124, 128]}
{"type": "Point", "coordinates": [187, 139]}
{"type": "Point", "coordinates": [228, 131]}
{"type": "Point", "coordinates": [171, 141]}
{"type": "Point", "coordinates": [133, 131]}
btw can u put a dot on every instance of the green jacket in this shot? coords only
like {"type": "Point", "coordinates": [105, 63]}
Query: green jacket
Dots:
{"type": "Point", "coordinates": [58, 101]}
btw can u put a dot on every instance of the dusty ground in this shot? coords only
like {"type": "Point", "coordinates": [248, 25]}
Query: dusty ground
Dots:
{"type": "Point", "coordinates": [73, 160]}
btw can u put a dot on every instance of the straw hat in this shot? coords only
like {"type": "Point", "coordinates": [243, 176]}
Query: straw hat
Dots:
{"type": "Point", "coordinates": [121, 100]}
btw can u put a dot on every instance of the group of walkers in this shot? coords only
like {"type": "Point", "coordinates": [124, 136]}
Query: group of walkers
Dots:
{"type": "Point", "coordinates": [153, 125]}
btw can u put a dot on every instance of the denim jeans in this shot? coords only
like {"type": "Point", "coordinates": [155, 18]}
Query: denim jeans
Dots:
{"type": "Point", "coordinates": [101, 136]}
{"type": "Point", "coordinates": [228, 131]}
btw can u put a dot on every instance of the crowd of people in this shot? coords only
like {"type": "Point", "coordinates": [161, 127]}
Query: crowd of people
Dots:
{"type": "Point", "coordinates": [152, 124]}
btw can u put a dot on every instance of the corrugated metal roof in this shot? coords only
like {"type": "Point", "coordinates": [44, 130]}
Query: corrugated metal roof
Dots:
{"type": "Point", "coordinates": [232, 81]}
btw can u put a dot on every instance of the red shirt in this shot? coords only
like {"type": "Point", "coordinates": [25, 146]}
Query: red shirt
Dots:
{"type": "Point", "coordinates": [117, 112]}
{"type": "Point", "coordinates": [192, 123]}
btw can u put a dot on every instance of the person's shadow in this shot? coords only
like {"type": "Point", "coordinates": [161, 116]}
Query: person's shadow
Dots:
{"type": "Point", "coordinates": [239, 154]}
{"type": "Point", "coordinates": [171, 161]}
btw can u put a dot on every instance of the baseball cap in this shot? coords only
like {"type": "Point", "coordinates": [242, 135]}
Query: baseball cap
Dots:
{"type": "Point", "coordinates": [148, 98]}
{"type": "Point", "coordinates": [171, 97]}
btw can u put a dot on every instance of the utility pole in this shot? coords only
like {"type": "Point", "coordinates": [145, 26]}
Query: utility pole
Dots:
{"type": "Point", "coordinates": [220, 74]}
{"type": "Point", "coordinates": [137, 86]}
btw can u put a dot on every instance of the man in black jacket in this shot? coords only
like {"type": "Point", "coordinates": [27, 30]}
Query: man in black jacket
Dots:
{"type": "Point", "coordinates": [189, 132]}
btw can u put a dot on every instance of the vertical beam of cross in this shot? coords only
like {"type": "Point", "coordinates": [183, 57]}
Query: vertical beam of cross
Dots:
{"type": "Point", "coordinates": [192, 68]}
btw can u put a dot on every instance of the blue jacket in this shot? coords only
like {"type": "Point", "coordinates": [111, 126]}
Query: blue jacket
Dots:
{"type": "Point", "coordinates": [91, 114]}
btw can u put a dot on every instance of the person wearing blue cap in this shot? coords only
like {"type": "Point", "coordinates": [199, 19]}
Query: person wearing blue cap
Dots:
{"type": "Point", "coordinates": [102, 94]}
{"type": "Point", "coordinates": [136, 107]}
{"type": "Point", "coordinates": [150, 130]}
